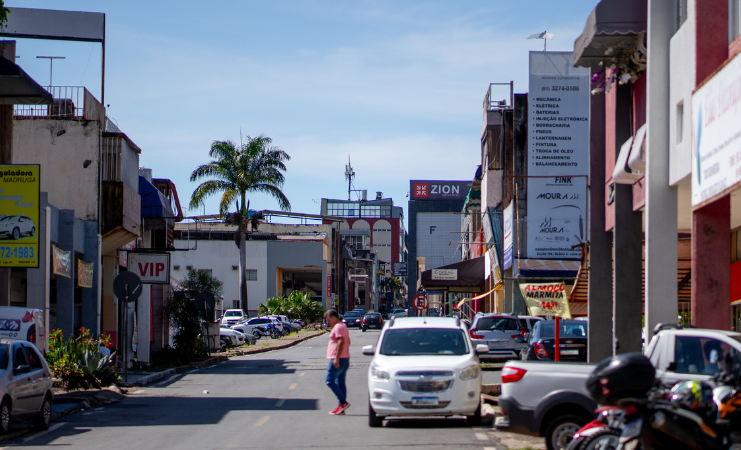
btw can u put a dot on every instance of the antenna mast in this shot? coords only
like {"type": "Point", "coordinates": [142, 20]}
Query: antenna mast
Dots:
{"type": "Point", "coordinates": [349, 176]}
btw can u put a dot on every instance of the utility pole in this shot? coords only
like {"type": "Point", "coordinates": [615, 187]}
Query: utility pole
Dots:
{"type": "Point", "coordinates": [51, 65]}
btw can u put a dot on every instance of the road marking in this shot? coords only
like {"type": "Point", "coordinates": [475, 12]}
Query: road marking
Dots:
{"type": "Point", "coordinates": [482, 436]}
{"type": "Point", "coordinates": [280, 402]}
{"type": "Point", "coordinates": [292, 386]}
{"type": "Point", "coordinates": [262, 421]}
{"type": "Point", "coordinates": [302, 374]}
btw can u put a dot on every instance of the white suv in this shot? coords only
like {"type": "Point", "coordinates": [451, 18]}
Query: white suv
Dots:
{"type": "Point", "coordinates": [424, 366]}
{"type": "Point", "coordinates": [232, 317]}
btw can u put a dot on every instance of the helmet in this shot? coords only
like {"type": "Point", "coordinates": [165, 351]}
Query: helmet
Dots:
{"type": "Point", "coordinates": [696, 396]}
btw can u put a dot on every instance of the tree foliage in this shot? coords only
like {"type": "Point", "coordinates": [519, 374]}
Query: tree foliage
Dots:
{"type": "Point", "coordinates": [298, 305]}
{"type": "Point", "coordinates": [3, 14]}
{"type": "Point", "coordinates": [187, 320]}
{"type": "Point", "coordinates": [201, 281]}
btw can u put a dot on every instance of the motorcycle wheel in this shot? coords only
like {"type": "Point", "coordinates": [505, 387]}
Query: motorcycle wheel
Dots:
{"type": "Point", "coordinates": [274, 334]}
{"type": "Point", "coordinates": [257, 334]}
{"type": "Point", "coordinates": [604, 439]}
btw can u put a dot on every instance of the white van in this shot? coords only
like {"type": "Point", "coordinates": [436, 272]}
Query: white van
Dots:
{"type": "Point", "coordinates": [23, 324]}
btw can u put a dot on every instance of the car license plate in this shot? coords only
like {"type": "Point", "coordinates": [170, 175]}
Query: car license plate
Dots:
{"type": "Point", "coordinates": [497, 344]}
{"type": "Point", "coordinates": [569, 352]}
{"type": "Point", "coordinates": [424, 401]}
{"type": "Point", "coordinates": [631, 430]}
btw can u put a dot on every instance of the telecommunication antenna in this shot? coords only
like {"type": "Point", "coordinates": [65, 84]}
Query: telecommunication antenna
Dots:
{"type": "Point", "coordinates": [349, 176]}
{"type": "Point", "coordinates": [544, 35]}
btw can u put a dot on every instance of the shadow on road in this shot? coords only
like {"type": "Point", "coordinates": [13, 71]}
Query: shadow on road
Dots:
{"type": "Point", "coordinates": [427, 423]}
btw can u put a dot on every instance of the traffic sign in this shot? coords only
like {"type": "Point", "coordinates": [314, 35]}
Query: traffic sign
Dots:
{"type": "Point", "coordinates": [127, 286]}
{"type": "Point", "coordinates": [420, 302]}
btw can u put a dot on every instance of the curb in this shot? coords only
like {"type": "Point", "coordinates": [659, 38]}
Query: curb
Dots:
{"type": "Point", "coordinates": [491, 389]}
{"type": "Point", "coordinates": [166, 373]}
{"type": "Point", "coordinates": [277, 347]}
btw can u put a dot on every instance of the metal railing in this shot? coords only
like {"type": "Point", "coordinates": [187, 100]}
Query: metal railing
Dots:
{"type": "Point", "coordinates": [69, 102]}
{"type": "Point", "coordinates": [494, 105]}
{"type": "Point", "coordinates": [111, 164]}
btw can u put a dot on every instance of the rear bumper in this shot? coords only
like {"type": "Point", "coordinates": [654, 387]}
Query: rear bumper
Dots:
{"type": "Point", "coordinates": [517, 419]}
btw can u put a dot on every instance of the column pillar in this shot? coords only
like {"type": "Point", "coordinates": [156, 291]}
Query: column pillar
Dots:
{"type": "Point", "coordinates": [66, 286]}
{"type": "Point", "coordinates": [711, 265]}
{"type": "Point", "coordinates": [7, 50]}
{"type": "Point", "coordinates": [90, 295]}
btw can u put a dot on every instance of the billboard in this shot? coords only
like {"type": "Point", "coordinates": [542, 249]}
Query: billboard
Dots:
{"type": "Point", "coordinates": [152, 268]}
{"type": "Point", "coordinates": [400, 269]}
{"type": "Point", "coordinates": [546, 299]}
{"type": "Point", "coordinates": [558, 155]}
{"type": "Point", "coordinates": [19, 215]}
{"type": "Point", "coordinates": [438, 190]}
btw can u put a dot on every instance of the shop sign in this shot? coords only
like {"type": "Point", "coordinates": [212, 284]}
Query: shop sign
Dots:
{"type": "Point", "coordinates": [152, 268]}
{"type": "Point", "coordinates": [329, 286]}
{"type": "Point", "coordinates": [400, 269]}
{"type": "Point", "coordinates": [716, 129]}
{"type": "Point", "coordinates": [439, 190]}
{"type": "Point", "coordinates": [546, 299]}
{"type": "Point", "coordinates": [19, 219]}
{"type": "Point", "coordinates": [444, 274]}
{"type": "Point", "coordinates": [558, 155]}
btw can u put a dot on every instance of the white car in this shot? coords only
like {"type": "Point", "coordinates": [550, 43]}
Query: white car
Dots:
{"type": "Point", "coordinates": [232, 317]}
{"type": "Point", "coordinates": [424, 366]}
{"type": "Point", "coordinates": [235, 337]}
{"type": "Point", "coordinates": [17, 226]}
{"type": "Point", "coordinates": [398, 313]}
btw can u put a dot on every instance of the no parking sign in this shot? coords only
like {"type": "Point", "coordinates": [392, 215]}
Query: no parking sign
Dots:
{"type": "Point", "coordinates": [420, 302]}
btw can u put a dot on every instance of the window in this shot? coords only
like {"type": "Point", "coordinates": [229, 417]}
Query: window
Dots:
{"type": "Point", "coordinates": [235, 304]}
{"type": "Point", "coordinates": [497, 323]}
{"type": "Point", "coordinates": [250, 274]}
{"type": "Point", "coordinates": [208, 271]}
{"type": "Point", "coordinates": [702, 356]}
{"type": "Point", "coordinates": [20, 357]}
{"type": "Point", "coordinates": [680, 121]}
{"type": "Point", "coordinates": [33, 359]}
{"type": "Point", "coordinates": [3, 356]}
{"type": "Point", "coordinates": [424, 341]}
{"type": "Point", "coordinates": [734, 15]}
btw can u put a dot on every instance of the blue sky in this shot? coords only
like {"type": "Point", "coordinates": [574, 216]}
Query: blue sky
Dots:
{"type": "Point", "coordinates": [398, 86]}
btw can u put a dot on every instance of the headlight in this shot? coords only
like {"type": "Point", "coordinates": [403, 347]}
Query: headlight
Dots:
{"type": "Point", "coordinates": [378, 374]}
{"type": "Point", "coordinates": [470, 372]}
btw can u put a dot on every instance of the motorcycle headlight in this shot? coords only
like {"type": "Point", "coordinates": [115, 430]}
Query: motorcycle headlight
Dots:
{"type": "Point", "coordinates": [378, 373]}
{"type": "Point", "coordinates": [470, 372]}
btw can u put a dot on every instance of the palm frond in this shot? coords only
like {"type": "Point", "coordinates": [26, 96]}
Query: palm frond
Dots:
{"type": "Point", "coordinates": [206, 189]}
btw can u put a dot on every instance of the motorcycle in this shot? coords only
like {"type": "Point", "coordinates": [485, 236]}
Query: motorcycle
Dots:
{"type": "Point", "coordinates": [603, 433]}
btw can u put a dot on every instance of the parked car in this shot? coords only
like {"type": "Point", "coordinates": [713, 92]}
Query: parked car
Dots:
{"type": "Point", "coordinates": [25, 384]}
{"type": "Point", "coordinates": [424, 366]}
{"type": "Point", "coordinates": [235, 337]}
{"type": "Point", "coordinates": [499, 332]}
{"type": "Point", "coordinates": [248, 327]}
{"type": "Point", "coordinates": [362, 311]}
{"type": "Point", "coordinates": [372, 320]}
{"type": "Point", "coordinates": [232, 317]}
{"type": "Point", "coordinates": [397, 313]}
{"type": "Point", "coordinates": [352, 319]}
{"type": "Point", "coordinates": [540, 343]}
{"type": "Point", "coordinates": [17, 226]}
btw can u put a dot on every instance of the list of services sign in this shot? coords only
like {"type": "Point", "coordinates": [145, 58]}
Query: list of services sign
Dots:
{"type": "Point", "coordinates": [558, 153]}
{"type": "Point", "coordinates": [19, 215]}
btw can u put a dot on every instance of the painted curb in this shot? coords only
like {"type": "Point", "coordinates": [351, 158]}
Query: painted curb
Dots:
{"type": "Point", "coordinates": [491, 389]}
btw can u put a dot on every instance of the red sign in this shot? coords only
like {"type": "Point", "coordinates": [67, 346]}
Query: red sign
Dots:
{"type": "Point", "coordinates": [420, 302]}
{"type": "Point", "coordinates": [421, 190]}
{"type": "Point", "coordinates": [329, 286]}
{"type": "Point", "coordinates": [152, 268]}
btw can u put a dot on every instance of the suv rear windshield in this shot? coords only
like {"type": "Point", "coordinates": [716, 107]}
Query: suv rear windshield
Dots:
{"type": "Point", "coordinates": [498, 323]}
{"type": "Point", "coordinates": [426, 341]}
{"type": "Point", "coordinates": [234, 314]}
{"type": "Point", "coordinates": [373, 315]}
{"type": "Point", "coordinates": [569, 328]}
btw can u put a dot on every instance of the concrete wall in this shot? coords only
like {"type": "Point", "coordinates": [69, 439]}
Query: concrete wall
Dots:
{"type": "Point", "coordinates": [434, 236]}
{"type": "Point", "coordinates": [291, 254]}
{"type": "Point", "coordinates": [681, 83]}
{"type": "Point", "coordinates": [61, 147]}
{"type": "Point", "coordinates": [258, 290]}
{"type": "Point", "coordinates": [217, 256]}
{"type": "Point", "coordinates": [491, 189]}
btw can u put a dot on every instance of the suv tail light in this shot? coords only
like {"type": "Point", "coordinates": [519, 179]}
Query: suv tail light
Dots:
{"type": "Point", "coordinates": [475, 335]}
{"type": "Point", "coordinates": [522, 334]}
{"type": "Point", "coordinates": [540, 350]}
{"type": "Point", "coordinates": [512, 374]}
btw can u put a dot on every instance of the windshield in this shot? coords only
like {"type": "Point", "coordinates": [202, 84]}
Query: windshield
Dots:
{"type": "Point", "coordinates": [569, 328]}
{"type": "Point", "coordinates": [426, 341]}
{"type": "Point", "coordinates": [498, 324]}
{"type": "Point", "coordinates": [4, 218]}
{"type": "Point", "coordinates": [234, 314]}
{"type": "Point", "coordinates": [372, 316]}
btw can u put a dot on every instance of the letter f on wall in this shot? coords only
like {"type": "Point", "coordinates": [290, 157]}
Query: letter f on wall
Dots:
{"type": "Point", "coordinates": [432, 228]}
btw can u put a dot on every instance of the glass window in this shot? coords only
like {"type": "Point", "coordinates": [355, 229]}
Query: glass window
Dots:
{"type": "Point", "coordinates": [497, 323]}
{"type": "Point", "coordinates": [235, 303]}
{"type": "Point", "coordinates": [251, 274]}
{"type": "Point", "coordinates": [703, 356]}
{"type": "Point", "coordinates": [569, 328]}
{"type": "Point", "coordinates": [20, 357]}
{"type": "Point", "coordinates": [427, 341]}
{"type": "Point", "coordinates": [3, 357]}
{"type": "Point", "coordinates": [234, 314]}
{"type": "Point", "coordinates": [33, 359]}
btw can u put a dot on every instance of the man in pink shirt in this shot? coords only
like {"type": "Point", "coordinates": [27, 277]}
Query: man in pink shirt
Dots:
{"type": "Point", "coordinates": [338, 352]}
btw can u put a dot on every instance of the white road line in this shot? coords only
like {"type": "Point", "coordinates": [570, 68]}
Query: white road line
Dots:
{"type": "Point", "coordinates": [162, 383]}
{"type": "Point", "coordinates": [280, 402]}
{"type": "Point", "coordinates": [482, 436]}
{"type": "Point", "coordinates": [51, 428]}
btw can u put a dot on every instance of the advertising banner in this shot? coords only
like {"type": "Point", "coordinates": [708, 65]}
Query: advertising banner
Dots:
{"type": "Point", "coordinates": [508, 236]}
{"type": "Point", "coordinates": [84, 274]}
{"type": "Point", "coordinates": [716, 140]}
{"type": "Point", "coordinates": [19, 215]}
{"type": "Point", "coordinates": [546, 299]}
{"type": "Point", "coordinates": [61, 262]}
{"type": "Point", "coordinates": [558, 148]}
{"type": "Point", "coordinates": [400, 269]}
{"type": "Point", "coordinates": [152, 268]}
{"type": "Point", "coordinates": [444, 274]}
{"type": "Point", "coordinates": [438, 190]}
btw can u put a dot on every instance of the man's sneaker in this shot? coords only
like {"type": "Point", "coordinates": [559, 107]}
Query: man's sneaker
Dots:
{"type": "Point", "coordinates": [344, 406]}
{"type": "Point", "coordinates": [339, 411]}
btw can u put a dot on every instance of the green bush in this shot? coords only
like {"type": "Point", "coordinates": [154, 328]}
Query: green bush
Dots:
{"type": "Point", "coordinates": [79, 363]}
{"type": "Point", "coordinates": [298, 305]}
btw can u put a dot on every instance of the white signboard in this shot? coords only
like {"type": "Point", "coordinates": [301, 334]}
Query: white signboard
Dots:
{"type": "Point", "coordinates": [444, 274]}
{"type": "Point", "coordinates": [508, 236]}
{"type": "Point", "coordinates": [152, 268]}
{"type": "Point", "coordinates": [558, 148]}
{"type": "Point", "coordinates": [716, 140]}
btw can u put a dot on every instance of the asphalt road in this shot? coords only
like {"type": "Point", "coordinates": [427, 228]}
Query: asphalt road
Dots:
{"type": "Point", "coordinates": [270, 400]}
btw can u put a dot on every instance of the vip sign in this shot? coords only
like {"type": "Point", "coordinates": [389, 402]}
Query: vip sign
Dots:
{"type": "Point", "coordinates": [152, 268]}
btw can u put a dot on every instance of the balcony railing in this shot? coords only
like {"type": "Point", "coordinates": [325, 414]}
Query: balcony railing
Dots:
{"type": "Point", "coordinates": [70, 102]}
{"type": "Point", "coordinates": [491, 104]}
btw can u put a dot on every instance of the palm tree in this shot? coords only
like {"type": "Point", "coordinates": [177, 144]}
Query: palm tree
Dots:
{"type": "Point", "coordinates": [255, 166]}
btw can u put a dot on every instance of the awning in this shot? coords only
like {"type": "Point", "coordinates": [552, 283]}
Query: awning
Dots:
{"type": "Point", "coordinates": [154, 204]}
{"type": "Point", "coordinates": [546, 268]}
{"type": "Point", "coordinates": [18, 88]}
{"type": "Point", "coordinates": [469, 273]}
{"type": "Point", "coordinates": [612, 26]}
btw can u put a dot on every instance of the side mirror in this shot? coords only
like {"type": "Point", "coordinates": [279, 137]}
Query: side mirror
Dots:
{"type": "Point", "coordinates": [21, 369]}
{"type": "Point", "coordinates": [481, 349]}
{"type": "Point", "coordinates": [520, 340]}
{"type": "Point", "coordinates": [369, 350]}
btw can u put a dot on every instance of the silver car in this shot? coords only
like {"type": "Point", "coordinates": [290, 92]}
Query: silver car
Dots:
{"type": "Point", "coordinates": [499, 332]}
{"type": "Point", "coordinates": [25, 384]}
{"type": "Point", "coordinates": [17, 226]}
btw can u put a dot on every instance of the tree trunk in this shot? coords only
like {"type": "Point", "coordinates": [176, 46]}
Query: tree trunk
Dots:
{"type": "Point", "coordinates": [243, 269]}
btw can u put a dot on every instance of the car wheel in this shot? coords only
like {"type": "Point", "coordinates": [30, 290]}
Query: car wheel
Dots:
{"type": "Point", "coordinates": [5, 416]}
{"type": "Point", "coordinates": [256, 334]}
{"type": "Point", "coordinates": [561, 431]}
{"type": "Point", "coordinates": [43, 420]}
{"type": "Point", "coordinates": [16, 233]}
{"type": "Point", "coordinates": [365, 329]}
{"type": "Point", "coordinates": [374, 421]}
{"type": "Point", "coordinates": [475, 419]}
{"type": "Point", "coordinates": [33, 231]}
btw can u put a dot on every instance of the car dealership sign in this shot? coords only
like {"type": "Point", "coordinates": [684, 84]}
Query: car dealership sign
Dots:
{"type": "Point", "coordinates": [439, 190]}
{"type": "Point", "coordinates": [19, 215]}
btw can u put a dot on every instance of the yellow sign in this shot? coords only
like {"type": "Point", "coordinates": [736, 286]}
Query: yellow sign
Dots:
{"type": "Point", "coordinates": [84, 274]}
{"type": "Point", "coordinates": [19, 215]}
{"type": "Point", "coordinates": [546, 299]}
